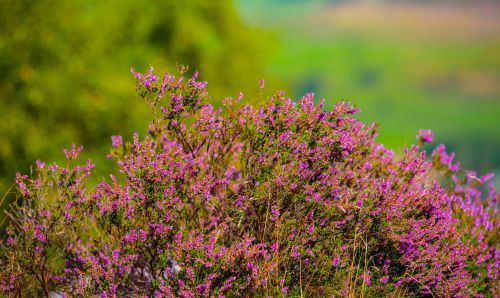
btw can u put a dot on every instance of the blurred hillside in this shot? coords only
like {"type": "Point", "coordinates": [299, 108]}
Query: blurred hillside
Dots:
{"type": "Point", "coordinates": [64, 68]}
{"type": "Point", "coordinates": [406, 64]}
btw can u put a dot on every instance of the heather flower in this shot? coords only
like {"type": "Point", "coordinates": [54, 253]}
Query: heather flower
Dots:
{"type": "Point", "coordinates": [274, 214]}
{"type": "Point", "coordinates": [52, 168]}
{"type": "Point", "coordinates": [40, 165]}
{"type": "Point", "coordinates": [116, 141]}
{"type": "Point", "coordinates": [367, 277]}
{"type": "Point", "coordinates": [39, 233]}
{"type": "Point", "coordinates": [72, 152]}
{"type": "Point", "coordinates": [486, 177]}
{"type": "Point", "coordinates": [335, 261]}
{"type": "Point", "coordinates": [444, 158]}
{"type": "Point", "coordinates": [384, 279]}
{"type": "Point", "coordinates": [425, 136]}
{"type": "Point", "coordinates": [9, 241]}
{"type": "Point", "coordinates": [135, 73]}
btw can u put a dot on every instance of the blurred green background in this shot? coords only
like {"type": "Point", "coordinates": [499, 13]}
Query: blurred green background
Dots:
{"type": "Point", "coordinates": [407, 64]}
{"type": "Point", "coordinates": [64, 67]}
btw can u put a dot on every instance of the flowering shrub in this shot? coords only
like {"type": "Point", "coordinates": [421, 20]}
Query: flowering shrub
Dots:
{"type": "Point", "coordinates": [280, 199]}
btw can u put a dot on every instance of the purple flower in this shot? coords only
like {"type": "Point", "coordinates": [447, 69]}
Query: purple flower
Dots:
{"type": "Point", "coordinates": [303, 165]}
{"type": "Point", "coordinates": [425, 136]}
{"type": "Point", "coordinates": [335, 261]}
{"type": "Point", "coordinates": [176, 102]}
{"type": "Point", "coordinates": [115, 255]}
{"type": "Point", "coordinates": [40, 164]}
{"type": "Point", "coordinates": [275, 214]}
{"type": "Point", "coordinates": [444, 158]}
{"type": "Point", "coordinates": [40, 234]}
{"type": "Point", "coordinates": [367, 277]}
{"type": "Point", "coordinates": [72, 152]}
{"type": "Point", "coordinates": [384, 279]}
{"type": "Point", "coordinates": [486, 177]}
{"type": "Point", "coordinates": [52, 168]}
{"type": "Point", "coordinates": [116, 140]}
{"type": "Point", "coordinates": [130, 237]}
{"type": "Point", "coordinates": [9, 241]}
{"type": "Point", "coordinates": [136, 74]}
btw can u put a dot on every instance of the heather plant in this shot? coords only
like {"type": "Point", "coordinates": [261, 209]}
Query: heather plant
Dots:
{"type": "Point", "coordinates": [281, 199]}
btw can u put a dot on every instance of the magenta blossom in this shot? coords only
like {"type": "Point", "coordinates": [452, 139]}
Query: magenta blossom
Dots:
{"type": "Point", "coordinates": [425, 136]}
{"type": "Point", "coordinates": [116, 140]}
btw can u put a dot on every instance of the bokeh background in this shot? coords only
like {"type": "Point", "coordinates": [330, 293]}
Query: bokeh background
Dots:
{"type": "Point", "coordinates": [407, 64]}
{"type": "Point", "coordinates": [64, 67]}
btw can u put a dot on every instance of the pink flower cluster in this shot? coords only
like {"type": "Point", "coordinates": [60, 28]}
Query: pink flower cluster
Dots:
{"type": "Point", "coordinates": [281, 198]}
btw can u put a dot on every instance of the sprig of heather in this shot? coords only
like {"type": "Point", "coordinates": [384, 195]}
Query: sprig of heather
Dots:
{"type": "Point", "coordinates": [284, 198]}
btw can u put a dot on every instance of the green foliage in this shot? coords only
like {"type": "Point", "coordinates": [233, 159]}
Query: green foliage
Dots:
{"type": "Point", "coordinates": [64, 68]}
